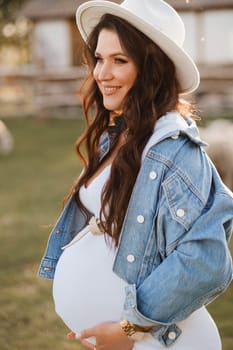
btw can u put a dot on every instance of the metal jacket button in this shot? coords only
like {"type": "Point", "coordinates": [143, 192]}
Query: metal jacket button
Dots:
{"type": "Point", "coordinates": [153, 175]}
{"type": "Point", "coordinates": [175, 137]}
{"type": "Point", "coordinates": [47, 268]}
{"type": "Point", "coordinates": [180, 213]}
{"type": "Point", "coordinates": [140, 219]}
{"type": "Point", "coordinates": [172, 335]}
{"type": "Point", "coordinates": [130, 258]}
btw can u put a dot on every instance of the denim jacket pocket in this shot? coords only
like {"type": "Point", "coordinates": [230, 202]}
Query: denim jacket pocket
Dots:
{"type": "Point", "coordinates": [184, 205]}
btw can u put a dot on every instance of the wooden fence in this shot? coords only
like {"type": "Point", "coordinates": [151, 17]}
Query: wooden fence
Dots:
{"type": "Point", "coordinates": [34, 91]}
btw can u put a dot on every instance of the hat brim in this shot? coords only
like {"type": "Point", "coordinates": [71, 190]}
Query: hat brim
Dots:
{"type": "Point", "coordinates": [89, 14]}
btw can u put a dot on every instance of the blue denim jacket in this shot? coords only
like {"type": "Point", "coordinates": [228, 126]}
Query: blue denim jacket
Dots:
{"type": "Point", "coordinates": [173, 249]}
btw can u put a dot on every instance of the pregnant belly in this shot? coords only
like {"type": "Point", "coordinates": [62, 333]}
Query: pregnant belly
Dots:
{"type": "Point", "coordinates": [85, 290]}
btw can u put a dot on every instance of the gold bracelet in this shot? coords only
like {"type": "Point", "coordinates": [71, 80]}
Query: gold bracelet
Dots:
{"type": "Point", "coordinates": [130, 328]}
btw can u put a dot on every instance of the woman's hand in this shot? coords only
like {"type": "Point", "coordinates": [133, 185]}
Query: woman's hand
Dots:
{"type": "Point", "coordinates": [109, 336]}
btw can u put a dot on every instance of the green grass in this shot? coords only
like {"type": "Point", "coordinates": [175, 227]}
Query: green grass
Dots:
{"type": "Point", "coordinates": [33, 182]}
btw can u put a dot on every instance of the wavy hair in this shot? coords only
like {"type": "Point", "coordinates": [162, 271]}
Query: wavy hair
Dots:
{"type": "Point", "coordinates": [154, 93]}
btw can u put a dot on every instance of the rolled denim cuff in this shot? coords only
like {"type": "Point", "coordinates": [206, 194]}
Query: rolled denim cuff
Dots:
{"type": "Point", "coordinates": [167, 334]}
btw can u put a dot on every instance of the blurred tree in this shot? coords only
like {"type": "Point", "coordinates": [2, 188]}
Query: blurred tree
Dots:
{"type": "Point", "coordinates": [14, 30]}
{"type": "Point", "coordinates": [8, 8]}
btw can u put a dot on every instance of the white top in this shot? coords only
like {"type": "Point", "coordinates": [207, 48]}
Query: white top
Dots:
{"type": "Point", "coordinates": [85, 290]}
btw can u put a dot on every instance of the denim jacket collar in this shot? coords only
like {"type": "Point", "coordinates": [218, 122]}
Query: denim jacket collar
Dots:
{"type": "Point", "coordinates": [172, 124]}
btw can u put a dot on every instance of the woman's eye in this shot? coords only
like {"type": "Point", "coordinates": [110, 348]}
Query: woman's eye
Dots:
{"type": "Point", "coordinates": [97, 59]}
{"type": "Point", "coordinates": [120, 60]}
{"type": "Point", "coordinates": [116, 60]}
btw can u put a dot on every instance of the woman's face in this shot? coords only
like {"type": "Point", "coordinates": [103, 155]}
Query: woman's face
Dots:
{"type": "Point", "coordinates": [115, 72]}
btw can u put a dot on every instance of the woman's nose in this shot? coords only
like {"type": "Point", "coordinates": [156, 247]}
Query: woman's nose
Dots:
{"type": "Point", "coordinates": [105, 72]}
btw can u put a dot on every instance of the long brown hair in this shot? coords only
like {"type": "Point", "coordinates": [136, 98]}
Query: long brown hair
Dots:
{"type": "Point", "coordinates": [155, 92]}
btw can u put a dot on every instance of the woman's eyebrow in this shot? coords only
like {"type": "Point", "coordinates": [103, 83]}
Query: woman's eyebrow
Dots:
{"type": "Point", "coordinates": [112, 54]}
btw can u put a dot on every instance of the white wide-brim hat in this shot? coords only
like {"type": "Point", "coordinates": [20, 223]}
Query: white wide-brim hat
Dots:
{"type": "Point", "coordinates": [157, 20]}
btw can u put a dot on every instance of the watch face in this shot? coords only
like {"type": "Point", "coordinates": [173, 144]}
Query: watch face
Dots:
{"type": "Point", "coordinates": [137, 336]}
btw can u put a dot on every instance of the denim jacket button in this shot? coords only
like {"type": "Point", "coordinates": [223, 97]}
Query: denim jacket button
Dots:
{"type": "Point", "coordinates": [153, 175]}
{"type": "Point", "coordinates": [175, 137]}
{"type": "Point", "coordinates": [130, 258]}
{"type": "Point", "coordinates": [180, 213]}
{"type": "Point", "coordinates": [58, 232]}
{"type": "Point", "coordinates": [47, 268]}
{"type": "Point", "coordinates": [172, 335]}
{"type": "Point", "coordinates": [140, 219]}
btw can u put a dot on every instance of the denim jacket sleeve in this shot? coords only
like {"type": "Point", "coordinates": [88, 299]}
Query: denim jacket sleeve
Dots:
{"type": "Point", "coordinates": [192, 223]}
{"type": "Point", "coordinates": [194, 273]}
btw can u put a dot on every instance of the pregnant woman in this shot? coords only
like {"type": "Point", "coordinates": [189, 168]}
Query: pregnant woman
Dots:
{"type": "Point", "coordinates": [140, 247]}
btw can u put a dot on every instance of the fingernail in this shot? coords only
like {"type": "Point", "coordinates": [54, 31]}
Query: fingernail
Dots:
{"type": "Point", "coordinates": [71, 335]}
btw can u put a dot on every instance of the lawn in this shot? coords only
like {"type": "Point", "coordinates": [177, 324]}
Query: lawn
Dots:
{"type": "Point", "coordinates": [33, 181]}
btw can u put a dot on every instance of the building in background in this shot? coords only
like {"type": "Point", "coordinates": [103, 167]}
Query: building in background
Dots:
{"type": "Point", "coordinates": [209, 30]}
{"type": "Point", "coordinates": [209, 40]}
{"type": "Point", "coordinates": [56, 51]}
{"type": "Point", "coordinates": [56, 41]}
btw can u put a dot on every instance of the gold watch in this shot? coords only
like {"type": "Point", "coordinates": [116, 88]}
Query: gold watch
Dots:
{"type": "Point", "coordinates": [133, 331]}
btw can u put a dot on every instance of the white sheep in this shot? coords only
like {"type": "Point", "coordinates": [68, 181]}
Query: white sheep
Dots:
{"type": "Point", "coordinates": [6, 140]}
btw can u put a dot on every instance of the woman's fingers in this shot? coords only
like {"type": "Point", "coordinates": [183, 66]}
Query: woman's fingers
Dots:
{"type": "Point", "coordinates": [82, 338]}
{"type": "Point", "coordinates": [71, 335]}
{"type": "Point", "coordinates": [87, 344]}
{"type": "Point", "coordinates": [87, 333]}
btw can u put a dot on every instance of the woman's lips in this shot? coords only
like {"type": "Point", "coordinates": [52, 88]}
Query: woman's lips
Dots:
{"type": "Point", "coordinates": [110, 90]}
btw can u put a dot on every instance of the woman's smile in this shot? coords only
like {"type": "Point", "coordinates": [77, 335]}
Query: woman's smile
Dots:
{"type": "Point", "coordinates": [109, 90]}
